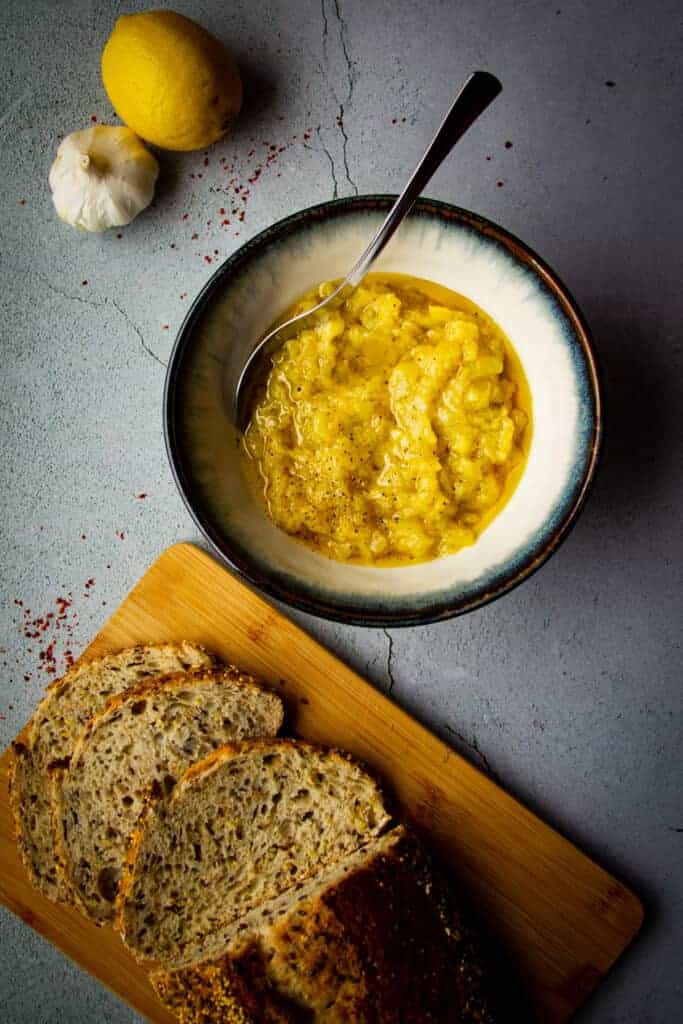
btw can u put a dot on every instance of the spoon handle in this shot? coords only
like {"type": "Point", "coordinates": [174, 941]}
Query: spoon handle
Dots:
{"type": "Point", "coordinates": [480, 89]}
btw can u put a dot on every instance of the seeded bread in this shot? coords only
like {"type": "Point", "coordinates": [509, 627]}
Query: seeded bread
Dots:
{"type": "Point", "coordinates": [375, 940]}
{"type": "Point", "coordinates": [240, 827]}
{"type": "Point", "coordinates": [52, 731]}
{"type": "Point", "coordinates": [146, 737]}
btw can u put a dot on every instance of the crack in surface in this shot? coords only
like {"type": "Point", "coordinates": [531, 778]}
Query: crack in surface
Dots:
{"type": "Point", "coordinates": [69, 295]}
{"type": "Point", "coordinates": [95, 304]}
{"type": "Point", "coordinates": [474, 747]}
{"type": "Point", "coordinates": [390, 658]}
{"type": "Point", "coordinates": [344, 99]}
{"type": "Point", "coordinates": [350, 71]}
{"type": "Point", "coordinates": [333, 172]}
{"type": "Point", "coordinates": [325, 27]}
{"type": "Point", "coordinates": [137, 330]}
{"type": "Point", "coordinates": [345, 144]}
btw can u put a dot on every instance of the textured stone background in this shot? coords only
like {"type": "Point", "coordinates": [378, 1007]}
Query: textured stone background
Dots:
{"type": "Point", "coordinates": [568, 690]}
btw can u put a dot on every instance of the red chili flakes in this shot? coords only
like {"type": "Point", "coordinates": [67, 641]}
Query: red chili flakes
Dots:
{"type": "Point", "coordinates": [225, 223]}
{"type": "Point", "coordinates": [207, 259]}
{"type": "Point", "coordinates": [141, 495]}
{"type": "Point", "coordinates": [89, 583]}
{"type": "Point", "coordinates": [206, 161]}
{"type": "Point", "coordinates": [69, 658]}
{"type": "Point", "coordinates": [49, 659]}
{"type": "Point", "coordinates": [165, 327]}
{"type": "Point", "coordinates": [47, 629]}
{"type": "Point", "coordinates": [120, 534]}
{"type": "Point", "coordinates": [183, 295]}
{"type": "Point", "coordinates": [307, 135]}
{"type": "Point", "coordinates": [185, 216]}
{"type": "Point", "coordinates": [222, 212]}
{"type": "Point", "coordinates": [93, 117]}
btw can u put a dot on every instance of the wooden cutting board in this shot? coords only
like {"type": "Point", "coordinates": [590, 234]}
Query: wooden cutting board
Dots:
{"type": "Point", "coordinates": [562, 920]}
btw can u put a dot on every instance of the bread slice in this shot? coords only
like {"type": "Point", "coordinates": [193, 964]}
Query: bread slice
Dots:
{"type": "Point", "coordinates": [217, 990]}
{"type": "Point", "coordinates": [374, 940]}
{"type": "Point", "coordinates": [52, 731]}
{"type": "Point", "coordinates": [242, 826]}
{"type": "Point", "coordinates": [144, 737]}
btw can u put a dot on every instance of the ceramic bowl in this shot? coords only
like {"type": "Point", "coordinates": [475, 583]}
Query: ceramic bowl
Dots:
{"type": "Point", "coordinates": [441, 243]}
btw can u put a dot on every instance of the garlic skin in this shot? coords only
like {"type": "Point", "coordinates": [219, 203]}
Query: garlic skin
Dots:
{"type": "Point", "coordinates": [102, 177]}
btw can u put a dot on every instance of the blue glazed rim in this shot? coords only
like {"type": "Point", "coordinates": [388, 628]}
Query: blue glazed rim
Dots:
{"type": "Point", "coordinates": [437, 606]}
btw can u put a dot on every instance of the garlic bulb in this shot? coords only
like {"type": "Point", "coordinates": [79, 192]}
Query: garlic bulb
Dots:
{"type": "Point", "coordinates": [102, 177]}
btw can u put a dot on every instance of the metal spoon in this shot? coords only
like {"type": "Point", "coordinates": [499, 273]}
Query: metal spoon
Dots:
{"type": "Point", "coordinates": [480, 89]}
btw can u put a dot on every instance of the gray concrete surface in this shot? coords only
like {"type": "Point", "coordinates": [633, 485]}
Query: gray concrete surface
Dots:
{"type": "Point", "coordinates": [568, 690]}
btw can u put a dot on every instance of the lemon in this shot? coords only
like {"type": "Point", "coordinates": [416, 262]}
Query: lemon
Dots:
{"type": "Point", "coordinates": [170, 81]}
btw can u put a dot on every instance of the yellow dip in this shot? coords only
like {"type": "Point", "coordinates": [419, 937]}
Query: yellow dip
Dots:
{"type": "Point", "coordinates": [395, 429]}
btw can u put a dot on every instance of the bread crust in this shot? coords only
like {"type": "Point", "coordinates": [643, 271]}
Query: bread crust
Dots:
{"type": "Point", "coordinates": [230, 683]}
{"type": "Point", "coordinates": [383, 944]}
{"type": "Point", "coordinates": [24, 747]}
{"type": "Point", "coordinates": [193, 778]}
{"type": "Point", "coordinates": [230, 750]}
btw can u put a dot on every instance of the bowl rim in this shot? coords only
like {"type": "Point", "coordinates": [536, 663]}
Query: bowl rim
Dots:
{"type": "Point", "coordinates": [423, 611]}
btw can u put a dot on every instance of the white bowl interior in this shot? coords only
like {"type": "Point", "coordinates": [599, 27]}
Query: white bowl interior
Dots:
{"type": "Point", "coordinates": [450, 253]}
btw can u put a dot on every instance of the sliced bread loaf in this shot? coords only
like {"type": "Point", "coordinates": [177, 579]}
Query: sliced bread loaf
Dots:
{"type": "Point", "coordinates": [144, 737]}
{"type": "Point", "coordinates": [52, 731]}
{"type": "Point", "coordinates": [375, 940]}
{"type": "Point", "coordinates": [242, 826]}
